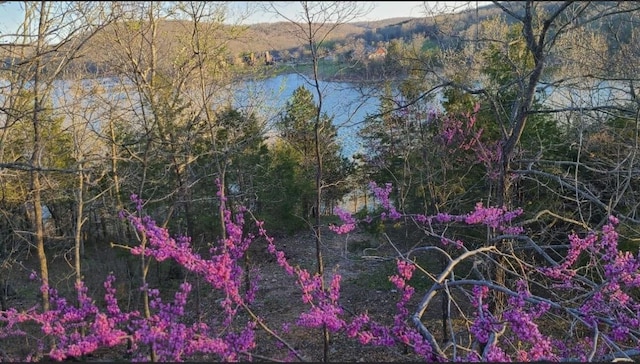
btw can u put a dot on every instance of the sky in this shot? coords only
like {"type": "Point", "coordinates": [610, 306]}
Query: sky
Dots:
{"type": "Point", "coordinates": [11, 13]}
{"type": "Point", "coordinates": [380, 10]}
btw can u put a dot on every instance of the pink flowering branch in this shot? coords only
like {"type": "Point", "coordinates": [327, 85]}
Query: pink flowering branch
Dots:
{"type": "Point", "coordinates": [608, 308]}
{"type": "Point", "coordinates": [79, 329]}
{"type": "Point", "coordinates": [326, 310]}
{"type": "Point", "coordinates": [460, 133]}
{"type": "Point", "coordinates": [84, 329]}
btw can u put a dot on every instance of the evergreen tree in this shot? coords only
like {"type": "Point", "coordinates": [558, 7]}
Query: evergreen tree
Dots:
{"type": "Point", "coordinates": [297, 130]}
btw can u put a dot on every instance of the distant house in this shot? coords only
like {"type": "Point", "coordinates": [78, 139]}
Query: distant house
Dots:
{"type": "Point", "coordinates": [268, 59]}
{"type": "Point", "coordinates": [249, 58]}
{"type": "Point", "coordinates": [379, 53]}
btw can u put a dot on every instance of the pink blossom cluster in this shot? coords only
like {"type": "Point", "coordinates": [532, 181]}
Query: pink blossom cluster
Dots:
{"type": "Point", "coordinates": [325, 310]}
{"type": "Point", "coordinates": [609, 306]}
{"type": "Point", "coordinates": [83, 328]}
{"type": "Point", "coordinates": [498, 218]}
{"type": "Point", "coordinates": [460, 133]}
{"type": "Point", "coordinates": [485, 323]}
{"type": "Point", "coordinates": [495, 218]}
{"type": "Point", "coordinates": [79, 329]}
{"type": "Point", "coordinates": [407, 335]}
{"type": "Point", "coordinates": [612, 301]}
{"type": "Point", "coordinates": [349, 223]}
{"type": "Point", "coordinates": [524, 329]}
{"type": "Point", "coordinates": [382, 195]}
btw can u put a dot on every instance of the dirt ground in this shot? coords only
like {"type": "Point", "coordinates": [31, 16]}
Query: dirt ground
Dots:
{"type": "Point", "coordinates": [358, 257]}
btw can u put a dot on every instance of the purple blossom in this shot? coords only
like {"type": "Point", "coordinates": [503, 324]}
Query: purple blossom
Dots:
{"type": "Point", "coordinates": [82, 327]}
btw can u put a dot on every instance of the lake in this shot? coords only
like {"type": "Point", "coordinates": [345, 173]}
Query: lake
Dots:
{"type": "Point", "coordinates": [347, 103]}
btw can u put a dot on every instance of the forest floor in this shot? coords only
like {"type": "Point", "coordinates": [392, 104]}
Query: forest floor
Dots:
{"type": "Point", "coordinates": [363, 260]}
{"type": "Point", "coordinates": [364, 263]}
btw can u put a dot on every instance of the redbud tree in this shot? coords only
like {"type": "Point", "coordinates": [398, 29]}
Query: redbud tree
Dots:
{"type": "Point", "coordinates": [595, 303]}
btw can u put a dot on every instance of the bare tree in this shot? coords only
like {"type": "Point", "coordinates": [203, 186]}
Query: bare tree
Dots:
{"type": "Point", "coordinates": [558, 55]}
{"type": "Point", "coordinates": [49, 38]}
{"type": "Point", "coordinates": [314, 24]}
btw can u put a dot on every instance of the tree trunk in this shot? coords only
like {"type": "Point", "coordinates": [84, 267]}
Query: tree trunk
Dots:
{"type": "Point", "coordinates": [78, 246]}
{"type": "Point", "coordinates": [39, 237]}
{"type": "Point", "coordinates": [36, 187]}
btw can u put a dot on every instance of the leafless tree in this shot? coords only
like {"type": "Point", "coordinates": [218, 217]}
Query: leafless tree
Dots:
{"type": "Point", "coordinates": [49, 38]}
{"type": "Point", "coordinates": [314, 23]}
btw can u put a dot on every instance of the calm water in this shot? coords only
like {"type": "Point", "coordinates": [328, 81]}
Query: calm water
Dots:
{"type": "Point", "coordinates": [347, 104]}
